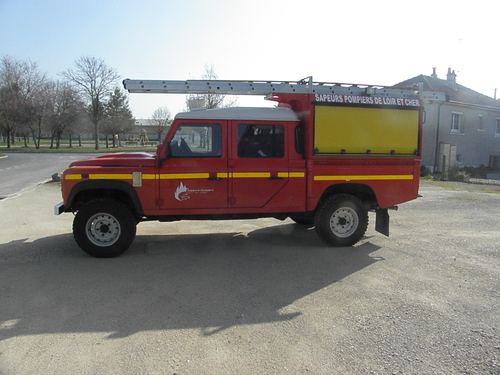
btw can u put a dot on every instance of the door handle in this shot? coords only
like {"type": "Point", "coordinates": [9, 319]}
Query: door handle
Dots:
{"type": "Point", "coordinates": [214, 179]}
{"type": "Point", "coordinates": [276, 178]}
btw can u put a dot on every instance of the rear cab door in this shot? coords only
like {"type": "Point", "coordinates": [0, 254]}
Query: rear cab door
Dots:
{"type": "Point", "coordinates": [260, 167]}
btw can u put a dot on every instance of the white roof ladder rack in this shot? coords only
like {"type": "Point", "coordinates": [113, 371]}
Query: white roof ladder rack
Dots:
{"type": "Point", "coordinates": [303, 86]}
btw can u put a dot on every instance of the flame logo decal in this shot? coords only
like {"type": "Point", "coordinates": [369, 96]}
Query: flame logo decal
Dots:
{"type": "Point", "coordinates": [179, 192]}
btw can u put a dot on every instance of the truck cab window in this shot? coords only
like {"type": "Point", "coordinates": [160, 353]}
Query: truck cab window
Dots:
{"type": "Point", "coordinates": [197, 140]}
{"type": "Point", "coordinates": [260, 141]}
{"type": "Point", "coordinates": [299, 140]}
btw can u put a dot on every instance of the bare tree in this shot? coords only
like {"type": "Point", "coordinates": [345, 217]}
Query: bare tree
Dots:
{"type": "Point", "coordinates": [216, 100]}
{"type": "Point", "coordinates": [20, 82]}
{"type": "Point", "coordinates": [75, 128]}
{"type": "Point", "coordinates": [95, 81]}
{"type": "Point", "coordinates": [63, 112]}
{"type": "Point", "coordinates": [80, 126]}
{"type": "Point", "coordinates": [213, 100]}
{"type": "Point", "coordinates": [40, 111]}
{"type": "Point", "coordinates": [160, 120]}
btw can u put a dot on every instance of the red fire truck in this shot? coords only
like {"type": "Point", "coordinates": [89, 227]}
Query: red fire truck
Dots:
{"type": "Point", "coordinates": [326, 155]}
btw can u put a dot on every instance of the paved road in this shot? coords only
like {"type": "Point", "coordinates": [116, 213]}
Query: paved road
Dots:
{"type": "Point", "coordinates": [255, 296]}
{"type": "Point", "coordinates": [19, 171]}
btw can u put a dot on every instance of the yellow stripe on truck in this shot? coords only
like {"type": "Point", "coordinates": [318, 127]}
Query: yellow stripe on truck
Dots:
{"type": "Point", "coordinates": [180, 176]}
{"type": "Point", "coordinates": [73, 177]}
{"type": "Point", "coordinates": [364, 178]}
{"type": "Point", "coordinates": [110, 176]}
{"type": "Point", "coordinates": [250, 175]}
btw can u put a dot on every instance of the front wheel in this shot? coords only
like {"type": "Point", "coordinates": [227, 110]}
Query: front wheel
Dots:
{"type": "Point", "coordinates": [341, 220]}
{"type": "Point", "coordinates": [104, 228]}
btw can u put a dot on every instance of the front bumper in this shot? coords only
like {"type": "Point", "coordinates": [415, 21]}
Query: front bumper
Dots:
{"type": "Point", "coordinates": [59, 208]}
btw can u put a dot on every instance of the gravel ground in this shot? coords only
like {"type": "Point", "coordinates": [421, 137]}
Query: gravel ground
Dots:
{"type": "Point", "coordinates": [256, 297]}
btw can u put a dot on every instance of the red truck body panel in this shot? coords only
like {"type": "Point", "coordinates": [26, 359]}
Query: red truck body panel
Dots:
{"type": "Point", "coordinates": [232, 184]}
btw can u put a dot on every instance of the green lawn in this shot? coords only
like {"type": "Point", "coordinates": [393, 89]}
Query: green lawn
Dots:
{"type": "Point", "coordinates": [64, 147]}
{"type": "Point", "coordinates": [463, 186]}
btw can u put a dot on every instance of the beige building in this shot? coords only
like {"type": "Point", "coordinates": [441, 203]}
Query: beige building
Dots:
{"type": "Point", "coordinates": [462, 130]}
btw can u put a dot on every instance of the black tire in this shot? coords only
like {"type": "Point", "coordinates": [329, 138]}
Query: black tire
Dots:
{"type": "Point", "coordinates": [341, 220]}
{"type": "Point", "coordinates": [104, 228]}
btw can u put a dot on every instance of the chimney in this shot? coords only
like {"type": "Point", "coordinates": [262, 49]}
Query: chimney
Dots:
{"type": "Point", "coordinates": [451, 76]}
{"type": "Point", "coordinates": [434, 75]}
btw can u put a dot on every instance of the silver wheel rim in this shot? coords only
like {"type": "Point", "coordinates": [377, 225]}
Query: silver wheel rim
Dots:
{"type": "Point", "coordinates": [344, 222]}
{"type": "Point", "coordinates": [103, 229]}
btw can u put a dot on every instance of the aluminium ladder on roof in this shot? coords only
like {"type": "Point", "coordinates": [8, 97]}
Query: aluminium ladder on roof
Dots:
{"type": "Point", "coordinates": [304, 86]}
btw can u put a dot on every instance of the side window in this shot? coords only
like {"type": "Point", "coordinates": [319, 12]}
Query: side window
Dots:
{"type": "Point", "coordinates": [299, 140]}
{"type": "Point", "coordinates": [261, 141]}
{"type": "Point", "coordinates": [457, 122]}
{"type": "Point", "coordinates": [197, 140]}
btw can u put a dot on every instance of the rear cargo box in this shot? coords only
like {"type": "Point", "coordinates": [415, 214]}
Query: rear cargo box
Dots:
{"type": "Point", "coordinates": [340, 130]}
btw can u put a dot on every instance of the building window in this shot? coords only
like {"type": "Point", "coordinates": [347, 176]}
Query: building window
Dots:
{"type": "Point", "coordinates": [497, 130]}
{"type": "Point", "coordinates": [480, 124]}
{"type": "Point", "coordinates": [457, 122]}
{"type": "Point", "coordinates": [494, 161]}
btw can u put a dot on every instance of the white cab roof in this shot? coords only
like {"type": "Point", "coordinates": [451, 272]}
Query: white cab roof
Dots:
{"type": "Point", "coordinates": [241, 113]}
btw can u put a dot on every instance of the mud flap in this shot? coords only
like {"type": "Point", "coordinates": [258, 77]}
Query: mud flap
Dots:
{"type": "Point", "coordinates": [382, 221]}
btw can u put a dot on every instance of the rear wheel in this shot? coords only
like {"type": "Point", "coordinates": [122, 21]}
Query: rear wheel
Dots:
{"type": "Point", "coordinates": [104, 228]}
{"type": "Point", "coordinates": [341, 220]}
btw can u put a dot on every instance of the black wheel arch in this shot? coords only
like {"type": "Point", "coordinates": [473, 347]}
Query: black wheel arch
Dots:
{"type": "Point", "coordinates": [88, 190]}
{"type": "Point", "coordinates": [361, 191]}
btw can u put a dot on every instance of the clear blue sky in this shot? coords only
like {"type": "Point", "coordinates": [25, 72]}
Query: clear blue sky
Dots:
{"type": "Point", "coordinates": [376, 42]}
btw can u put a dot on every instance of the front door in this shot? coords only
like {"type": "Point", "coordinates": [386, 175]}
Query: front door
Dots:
{"type": "Point", "coordinates": [195, 175]}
